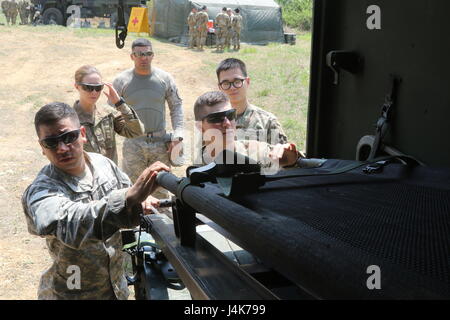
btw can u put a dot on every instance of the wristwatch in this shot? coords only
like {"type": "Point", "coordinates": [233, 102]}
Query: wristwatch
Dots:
{"type": "Point", "coordinates": [120, 102]}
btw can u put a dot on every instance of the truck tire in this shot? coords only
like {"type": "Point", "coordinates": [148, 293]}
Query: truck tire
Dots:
{"type": "Point", "coordinates": [53, 14]}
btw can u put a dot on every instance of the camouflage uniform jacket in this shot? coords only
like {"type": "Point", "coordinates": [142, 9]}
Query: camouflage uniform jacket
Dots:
{"type": "Point", "coordinates": [258, 124]}
{"type": "Point", "coordinates": [5, 6]}
{"type": "Point", "coordinates": [202, 20]}
{"type": "Point", "coordinates": [192, 20]}
{"type": "Point", "coordinates": [257, 151]}
{"type": "Point", "coordinates": [80, 224]}
{"type": "Point", "coordinates": [101, 125]}
{"type": "Point", "coordinates": [13, 7]}
{"type": "Point", "coordinates": [236, 23]}
{"type": "Point", "coordinates": [23, 5]}
{"type": "Point", "coordinates": [222, 20]}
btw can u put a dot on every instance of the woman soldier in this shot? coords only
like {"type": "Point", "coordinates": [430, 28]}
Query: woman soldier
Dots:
{"type": "Point", "coordinates": [102, 122]}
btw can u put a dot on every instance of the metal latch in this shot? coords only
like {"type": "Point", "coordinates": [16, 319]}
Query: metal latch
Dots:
{"type": "Point", "coordinates": [376, 167]}
{"type": "Point", "coordinates": [343, 60]}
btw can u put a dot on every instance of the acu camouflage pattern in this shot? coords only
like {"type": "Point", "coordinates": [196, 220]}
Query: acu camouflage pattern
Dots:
{"type": "Point", "coordinates": [140, 153]}
{"type": "Point", "coordinates": [222, 23]}
{"type": "Point", "coordinates": [5, 5]}
{"type": "Point", "coordinates": [236, 26]}
{"type": "Point", "coordinates": [229, 33]}
{"type": "Point", "coordinates": [10, 10]}
{"type": "Point", "coordinates": [202, 28]}
{"type": "Point", "coordinates": [102, 125]}
{"type": "Point", "coordinates": [192, 22]}
{"type": "Point", "coordinates": [13, 11]}
{"type": "Point", "coordinates": [24, 11]}
{"type": "Point", "coordinates": [258, 124]}
{"type": "Point", "coordinates": [257, 151]}
{"type": "Point", "coordinates": [81, 226]}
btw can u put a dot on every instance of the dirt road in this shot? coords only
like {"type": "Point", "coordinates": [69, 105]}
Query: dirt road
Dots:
{"type": "Point", "coordinates": [37, 67]}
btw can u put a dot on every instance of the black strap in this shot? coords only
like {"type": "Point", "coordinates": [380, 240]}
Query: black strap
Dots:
{"type": "Point", "coordinates": [408, 159]}
{"type": "Point", "coordinates": [121, 26]}
{"type": "Point", "coordinates": [382, 125]}
{"type": "Point", "coordinates": [181, 186]}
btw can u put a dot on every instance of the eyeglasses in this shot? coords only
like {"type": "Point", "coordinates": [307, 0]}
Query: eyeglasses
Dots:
{"type": "Point", "coordinates": [67, 138]}
{"type": "Point", "coordinates": [237, 83]}
{"type": "Point", "coordinates": [218, 117]}
{"type": "Point", "coordinates": [91, 87]}
{"type": "Point", "coordinates": [142, 54]}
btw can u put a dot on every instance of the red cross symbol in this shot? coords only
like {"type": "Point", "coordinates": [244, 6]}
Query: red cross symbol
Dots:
{"type": "Point", "coordinates": [135, 21]}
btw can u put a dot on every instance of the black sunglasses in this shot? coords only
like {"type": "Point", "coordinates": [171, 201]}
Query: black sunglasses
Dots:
{"type": "Point", "coordinates": [143, 54]}
{"type": "Point", "coordinates": [91, 87]}
{"type": "Point", "coordinates": [67, 138]}
{"type": "Point", "coordinates": [218, 117]}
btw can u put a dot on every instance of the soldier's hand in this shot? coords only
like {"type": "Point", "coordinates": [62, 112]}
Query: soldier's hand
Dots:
{"type": "Point", "coordinates": [150, 204]}
{"type": "Point", "coordinates": [145, 184]}
{"type": "Point", "coordinates": [112, 94]}
{"type": "Point", "coordinates": [286, 154]}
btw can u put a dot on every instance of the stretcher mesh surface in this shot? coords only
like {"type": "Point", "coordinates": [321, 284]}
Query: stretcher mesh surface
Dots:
{"type": "Point", "coordinates": [404, 222]}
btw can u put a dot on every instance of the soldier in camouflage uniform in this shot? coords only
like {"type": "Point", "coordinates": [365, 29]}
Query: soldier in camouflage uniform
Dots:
{"type": "Point", "coordinates": [252, 123]}
{"type": "Point", "coordinates": [215, 117]}
{"type": "Point", "coordinates": [78, 203]}
{"type": "Point", "coordinates": [222, 22]}
{"type": "Point", "coordinates": [202, 27]}
{"type": "Point", "coordinates": [147, 89]}
{"type": "Point", "coordinates": [102, 122]}
{"type": "Point", "coordinates": [37, 18]}
{"type": "Point", "coordinates": [24, 8]}
{"type": "Point", "coordinates": [236, 26]}
{"type": "Point", "coordinates": [229, 33]}
{"type": "Point", "coordinates": [31, 11]}
{"type": "Point", "coordinates": [13, 10]}
{"type": "Point", "coordinates": [5, 7]}
{"type": "Point", "coordinates": [192, 22]}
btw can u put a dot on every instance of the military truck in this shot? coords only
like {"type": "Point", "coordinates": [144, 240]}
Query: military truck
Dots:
{"type": "Point", "coordinates": [58, 11]}
{"type": "Point", "coordinates": [367, 214]}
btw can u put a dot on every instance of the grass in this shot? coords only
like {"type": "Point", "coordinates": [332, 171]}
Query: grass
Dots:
{"type": "Point", "coordinates": [279, 75]}
{"type": "Point", "coordinates": [37, 100]}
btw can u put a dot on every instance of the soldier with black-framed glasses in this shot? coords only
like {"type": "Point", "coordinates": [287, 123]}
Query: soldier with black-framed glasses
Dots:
{"type": "Point", "coordinates": [252, 123]}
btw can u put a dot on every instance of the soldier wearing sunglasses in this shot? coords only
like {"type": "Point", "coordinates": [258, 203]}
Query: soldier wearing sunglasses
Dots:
{"type": "Point", "coordinates": [252, 123]}
{"type": "Point", "coordinates": [147, 89]}
{"type": "Point", "coordinates": [216, 124]}
{"type": "Point", "coordinates": [78, 203]}
{"type": "Point", "coordinates": [102, 122]}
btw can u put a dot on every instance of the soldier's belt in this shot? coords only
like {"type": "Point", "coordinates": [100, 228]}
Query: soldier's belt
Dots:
{"type": "Point", "coordinates": [159, 136]}
{"type": "Point", "coordinates": [154, 134]}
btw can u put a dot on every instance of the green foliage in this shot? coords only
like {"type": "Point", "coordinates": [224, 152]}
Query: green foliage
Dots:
{"type": "Point", "coordinates": [297, 13]}
{"type": "Point", "coordinates": [248, 50]}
